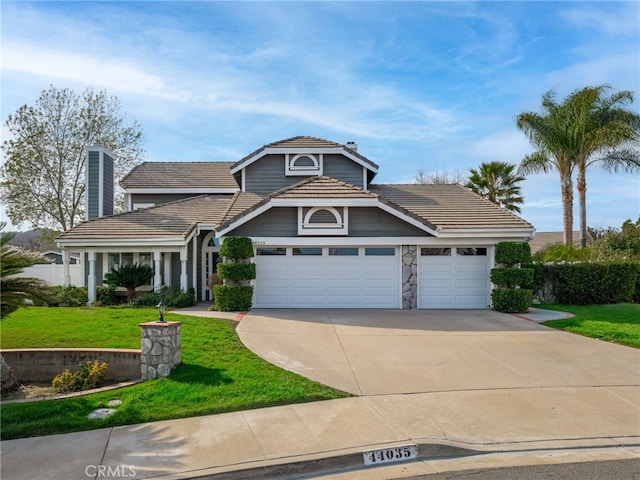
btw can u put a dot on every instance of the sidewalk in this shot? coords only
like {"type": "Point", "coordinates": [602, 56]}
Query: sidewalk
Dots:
{"type": "Point", "coordinates": [285, 441]}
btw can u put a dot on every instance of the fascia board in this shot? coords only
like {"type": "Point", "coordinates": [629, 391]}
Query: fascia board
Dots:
{"type": "Point", "coordinates": [135, 243]}
{"type": "Point", "coordinates": [244, 219]}
{"type": "Point", "coordinates": [410, 220]}
{"type": "Point", "coordinates": [283, 150]}
{"type": "Point", "coordinates": [501, 233]}
{"type": "Point", "coordinates": [181, 190]}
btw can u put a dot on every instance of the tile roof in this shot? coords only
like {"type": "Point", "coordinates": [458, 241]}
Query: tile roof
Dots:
{"type": "Point", "coordinates": [300, 143]}
{"type": "Point", "coordinates": [546, 239]}
{"type": "Point", "coordinates": [448, 206]}
{"type": "Point", "coordinates": [180, 175]}
{"type": "Point", "coordinates": [169, 220]}
{"type": "Point", "coordinates": [322, 187]}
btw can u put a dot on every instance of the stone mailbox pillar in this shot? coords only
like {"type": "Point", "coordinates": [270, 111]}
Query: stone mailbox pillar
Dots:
{"type": "Point", "coordinates": [160, 347]}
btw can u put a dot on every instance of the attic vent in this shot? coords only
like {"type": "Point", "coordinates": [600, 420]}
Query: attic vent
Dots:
{"type": "Point", "coordinates": [352, 145]}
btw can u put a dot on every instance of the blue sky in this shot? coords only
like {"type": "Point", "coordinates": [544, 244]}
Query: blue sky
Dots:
{"type": "Point", "coordinates": [417, 85]}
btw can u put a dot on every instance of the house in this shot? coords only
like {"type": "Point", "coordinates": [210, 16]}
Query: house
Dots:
{"type": "Point", "coordinates": [325, 234]}
{"type": "Point", "coordinates": [546, 239]}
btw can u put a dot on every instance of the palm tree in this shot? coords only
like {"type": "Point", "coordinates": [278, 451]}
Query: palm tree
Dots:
{"type": "Point", "coordinates": [15, 290]}
{"type": "Point", "coordinates": [129, 277]}
{"type": "Point", "coordinates": [606, 133]}
{"type": "Point", "coordinates": [497, 182]}
{"type": "Point", "coordinates": [548, 133]}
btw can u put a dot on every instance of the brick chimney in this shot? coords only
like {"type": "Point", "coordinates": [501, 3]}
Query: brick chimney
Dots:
{"type": "Point", "coordinates": [99, 190]}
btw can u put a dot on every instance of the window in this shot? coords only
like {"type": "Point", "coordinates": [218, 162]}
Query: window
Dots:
{"type": "Point", "coordinates": [343, 251]}
{"type": "Point", "coordinates": [435, 252]}
{"type": "Point", "coordinates": [322, 220]}
{"type": "Point", "coordinates": [271, 251]}
{"type": "Point", "coordinates": [471, 251]}
{"type": "Point", "coordinates": [117, 260]}
{"type": "Point", "coordinates": [380, 251]}
{"type": "Point", "coordinates": [307, 251]}
{"type": "Point", "coordinates": [303, 164]}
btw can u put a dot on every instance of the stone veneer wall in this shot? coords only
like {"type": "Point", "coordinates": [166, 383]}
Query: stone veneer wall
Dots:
{"type": "Point", "coordinates": [409, 277]}
{"type": "Point", "coordinates": [160, 345]}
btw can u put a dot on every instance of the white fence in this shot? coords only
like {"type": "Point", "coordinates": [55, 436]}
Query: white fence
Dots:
{"type": "Point", "coordinates": [54, 274]}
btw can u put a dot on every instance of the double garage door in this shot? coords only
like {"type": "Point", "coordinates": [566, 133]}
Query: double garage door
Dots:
{"type": "Point", "coordinates": [368, 277]}
{"type": "Point", "coordinates": [327, 277]}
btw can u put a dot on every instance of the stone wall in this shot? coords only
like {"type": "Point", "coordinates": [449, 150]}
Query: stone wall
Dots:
{"type": "Point", "coordinates": [40, 365]}
{"type": "Point", "coordinates": [409, 277]}
{"type": "Point", "coordinates": [160, 346]}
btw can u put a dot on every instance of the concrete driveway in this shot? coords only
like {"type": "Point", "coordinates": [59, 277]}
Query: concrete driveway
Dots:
{"type": "Point", "coordinates": [376, 352]}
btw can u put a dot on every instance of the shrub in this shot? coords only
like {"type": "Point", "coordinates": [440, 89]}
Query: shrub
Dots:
{"type": "Point", "coordinates": [106, 295]}
{"type": "Point", "coordinates": [171, 296]}
{"type": "Point", "coordinates": [237, 271]}
{"type": "Point", "coordinates": [512, 277]}
{"type": "Point", "coordinates": [232, 298]}
{"type": "Point", "coordinates": [513, 253]}
{"type": "Point", "coordinates": [588, 283]}
{"type": "Point", "coordinates": [237, 247]}
{"type": "Point", "coordinates": [89, 375]}
{"type": "Point", "coordinates": [70, 296]}
{"type": "Point", "coordinates": [511, 300]}
{"type": "Point", "coordinates": [562, 253]}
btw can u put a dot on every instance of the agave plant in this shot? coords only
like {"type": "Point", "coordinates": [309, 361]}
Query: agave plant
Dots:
{"type": "Point", "coordinates": [129, 277]}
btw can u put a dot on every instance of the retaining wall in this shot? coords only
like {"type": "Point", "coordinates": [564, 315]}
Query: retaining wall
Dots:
{"type": "Point", "coordinates": [42, 364]}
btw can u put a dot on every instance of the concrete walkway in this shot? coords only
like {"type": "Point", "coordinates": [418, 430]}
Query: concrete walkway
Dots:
{"type": "Point", "coordinates": [528, 410]}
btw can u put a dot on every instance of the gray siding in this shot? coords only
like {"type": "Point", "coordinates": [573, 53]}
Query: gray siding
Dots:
{"type": "Point", "coordinates": [107, 181]}
{"type": "Point", "coordinates": [175, 269]}
{"type": "Point", "coordinates": [373, 222]}
{"type": "Point", "coordinates": [277, 222]}
{"type": "Point", "coordinates": [342, 168]}
{"type": "Point", "coordinates": [267, 175]}
{"type": "Point", "coordinates": [93, 185]}
{"type": "Point", "coordinates": [363, 222]}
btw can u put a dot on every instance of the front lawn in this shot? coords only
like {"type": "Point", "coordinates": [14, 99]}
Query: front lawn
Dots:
{"type": "Point", "coordinates": [618, 323]}
{"type": "Point", "coordinates": [217, 374]}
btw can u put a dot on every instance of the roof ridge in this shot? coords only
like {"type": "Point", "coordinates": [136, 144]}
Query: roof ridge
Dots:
{"type": "Point", "coordinates": [231, 203]}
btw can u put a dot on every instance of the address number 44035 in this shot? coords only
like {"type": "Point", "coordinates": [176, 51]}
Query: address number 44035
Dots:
{"type": "Point", "coordinates": [392, 454]}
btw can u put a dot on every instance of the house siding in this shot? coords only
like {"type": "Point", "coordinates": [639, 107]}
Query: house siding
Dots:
{"type": "Point", "coordinates": [373, 222]}
{"type": "Point", "coordinates": [175, 269]}
{"type": "Point", "coordinates": [363, 222]}
{"type": "Point", "coordinates": [93, 184]}
{"type": "Point", "coordinates": [342, 168]}
{"type": "Point", "coordinates": [107, 185]}
{"type": "Point", "coordinates": [267, 175]}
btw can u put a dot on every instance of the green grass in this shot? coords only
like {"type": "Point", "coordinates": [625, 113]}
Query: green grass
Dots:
{"type": "Point", "coordinates": [619, 323]}
{"type": "Point", "coordinates": [218, 374]}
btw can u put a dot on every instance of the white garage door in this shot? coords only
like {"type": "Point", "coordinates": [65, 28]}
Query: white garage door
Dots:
{"type": "Point", "coordinates": [453, 278]}
{"type": "Point", "coordinates": [327, 277]}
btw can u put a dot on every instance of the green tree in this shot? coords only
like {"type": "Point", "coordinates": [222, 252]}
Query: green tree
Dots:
{"type": "Point", "coordinates": [555, 150]}
{"type": "Point", "coordinates": [129, 277]}
{"type": "Point", "coordinates": [42, 180]}
{"type": "Point", "coordinates": [606, 133]}
{"type": "Point", "coordinates": [498, 183]}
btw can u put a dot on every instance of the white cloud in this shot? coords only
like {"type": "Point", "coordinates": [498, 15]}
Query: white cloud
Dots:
{"type": "Point", "coordinates": [617, 18]}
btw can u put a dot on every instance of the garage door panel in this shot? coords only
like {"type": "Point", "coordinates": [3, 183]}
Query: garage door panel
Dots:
{"type": "Point", "coordinates": [453, 281]}
{"type": "Point", "coordinates": [349, 281]}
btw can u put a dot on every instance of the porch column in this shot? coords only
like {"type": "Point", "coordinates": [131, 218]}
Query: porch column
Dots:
{"type": "Point", "coordinates": [157, 277]}
{"type": "Point", "coordinates": [66, 281]}
{"type": "Point", "coordinates": [167, 269]}
{"type": "Point", "coordinates": [194, 274]}
{"type": "Point", "coordinates": [184, 256]}
{"type": "Point", "coordinates": [91, 283]}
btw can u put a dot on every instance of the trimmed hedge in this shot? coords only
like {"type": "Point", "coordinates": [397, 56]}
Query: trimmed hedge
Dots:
{"type": "Point", "coordinates": [237, 271]}
{"type": "Point", "coordinates": [513, 253]}
{"type": "Point", "coordinates": [171, 296]}
{"type": "Point", "coordinates": [237, 247]}
{"type": "Point", "coordinates": [233, 298]}
{"type": "Point", "coordinates": [512, 277]}
{"type": "Point", "coordinates": [588, 283]}
{"type": "Point", "coordinates": [511, 300]}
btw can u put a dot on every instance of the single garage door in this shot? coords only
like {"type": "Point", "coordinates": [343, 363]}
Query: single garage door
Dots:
{"type": "Point", "coordinates": [453, 278]}
{"type": "Point", "coordinates": [327, 277]}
